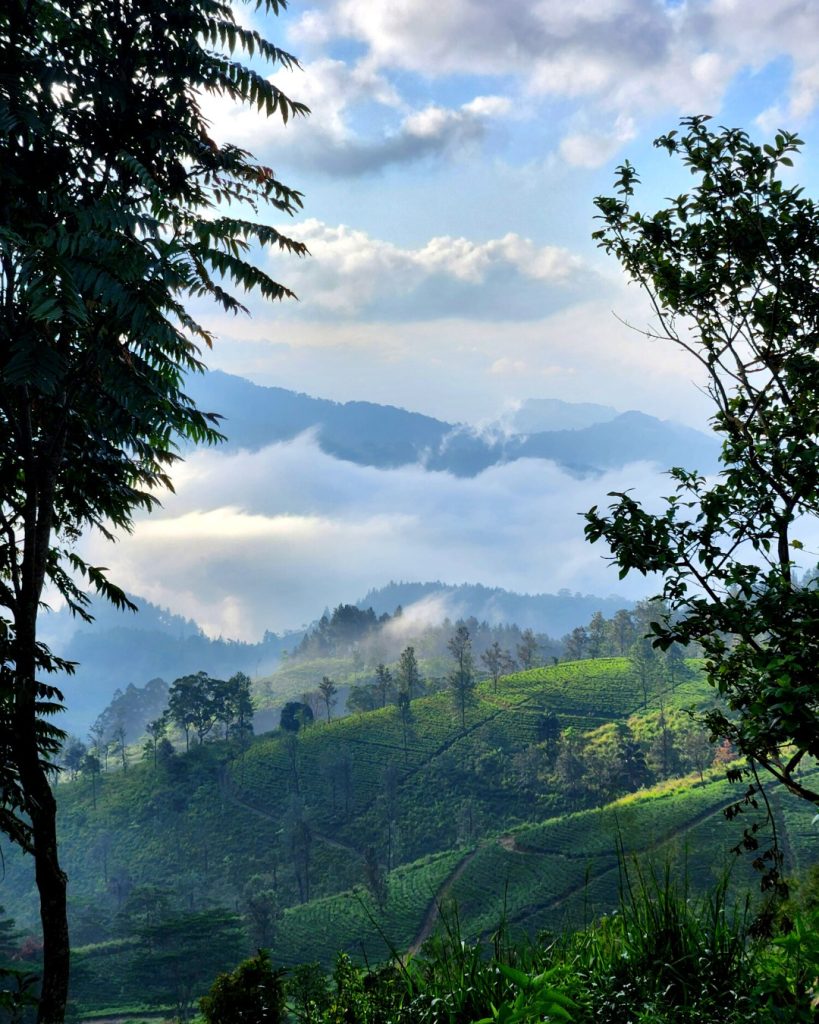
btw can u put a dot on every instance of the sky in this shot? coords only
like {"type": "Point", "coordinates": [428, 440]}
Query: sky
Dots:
{"type": "Point", "coordinates": [448, 167]}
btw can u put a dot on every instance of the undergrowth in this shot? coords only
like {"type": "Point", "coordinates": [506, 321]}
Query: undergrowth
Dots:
{"type": "Point", "coordinates": [664, 957]}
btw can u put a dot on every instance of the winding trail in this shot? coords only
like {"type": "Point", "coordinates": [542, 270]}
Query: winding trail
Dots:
{"type": "Point", "coordinates": [434, 908]}
{"type": "Point", "coordinates": [607, 863]}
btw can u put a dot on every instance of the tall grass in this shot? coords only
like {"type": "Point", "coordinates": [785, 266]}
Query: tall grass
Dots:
{"type": "Point", "coordinates": [664, 957]}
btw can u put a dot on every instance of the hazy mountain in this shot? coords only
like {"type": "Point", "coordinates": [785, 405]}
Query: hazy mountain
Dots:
{"type": "Point", "coordinates": [539, 414]}
{"type": "Point", "coordinates": [553, 614]}
{"type": "Point", "coordinates": [384, 436]}
{"type": "Point", "coordinates": [362, 432]}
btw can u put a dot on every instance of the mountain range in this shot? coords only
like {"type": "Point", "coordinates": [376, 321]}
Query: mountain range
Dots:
{"type": "Point", "coordinates": [583, 438]}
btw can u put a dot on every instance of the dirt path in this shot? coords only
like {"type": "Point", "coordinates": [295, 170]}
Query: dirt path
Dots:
{"type": "Point", "coordinates": [434, 908]}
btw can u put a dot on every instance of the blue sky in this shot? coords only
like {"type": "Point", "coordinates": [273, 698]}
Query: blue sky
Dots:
{"type": "Point", "coordinates": [449, 167]}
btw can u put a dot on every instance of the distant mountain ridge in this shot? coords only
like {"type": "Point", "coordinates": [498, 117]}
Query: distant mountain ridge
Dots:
{"type": "Point", "coordinates": [388, 437]}
{"type": "Point", "coordinates": [553, 614]}
{"type": "Point", "coordinates": [119, 648]}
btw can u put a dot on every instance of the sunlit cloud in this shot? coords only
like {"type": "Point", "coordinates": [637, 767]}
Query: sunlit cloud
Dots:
{"type": "Point", "coordinates": [304, 530]}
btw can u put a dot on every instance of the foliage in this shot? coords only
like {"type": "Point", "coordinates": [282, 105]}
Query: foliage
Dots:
{"type": "Point", "coordinates": [181, 954]}
{"type": "Point", "coordinates": [328, 691]}
{"type": "Point", "coordinates": [114, 214]}
{"type": "Point", "coordinates": [462, 677]}
{"type": "Point", "coordinates": [408, 674]}
{"type": "Point", "coordinates": [198, 702]}
{"type": "Point", "coordinates": [251, 994]}
{"type": "Point", "coordinates": [133, 708]}
{"type": "Point", "coordinates": [730, 268]}
{"type": "Point", "coordinates": [534, 999]}
{"type": "Point", "coordinates": [295, 715]}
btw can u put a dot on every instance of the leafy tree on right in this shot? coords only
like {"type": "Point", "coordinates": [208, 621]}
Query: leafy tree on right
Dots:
{"type": "Point", "coordinates": [732, 269]}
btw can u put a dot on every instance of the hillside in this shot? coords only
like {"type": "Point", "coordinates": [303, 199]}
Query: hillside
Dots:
{"type": "Point", "coordinates": [376, 818]}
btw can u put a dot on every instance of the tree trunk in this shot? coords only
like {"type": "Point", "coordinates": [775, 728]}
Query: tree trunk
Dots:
{"type": "Point", "coordinates": [42, 810]}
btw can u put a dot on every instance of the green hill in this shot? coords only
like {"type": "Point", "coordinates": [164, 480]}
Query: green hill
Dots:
{"type": "Point", "coordinates": [409, 810]}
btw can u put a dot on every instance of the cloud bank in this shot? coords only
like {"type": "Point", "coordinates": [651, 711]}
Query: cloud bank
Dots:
{"type": "Point", "coordinates": [266, 540]}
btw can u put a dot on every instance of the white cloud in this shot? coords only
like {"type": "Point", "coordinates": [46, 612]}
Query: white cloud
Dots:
{"type": "Point", "coordinates": [351, 273]}
{"type": "Point", "coordinates": [463, 368]}
{"type": "Point", "coordinates": [327, 141]}
{"type": "Point", "coordinates": [304, 531]}
{"type": "Point", "coordinates": [620, 59]}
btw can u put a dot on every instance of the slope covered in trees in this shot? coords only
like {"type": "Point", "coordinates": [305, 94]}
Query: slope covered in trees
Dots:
{"type": "Point", "coordinates": [306, 836]}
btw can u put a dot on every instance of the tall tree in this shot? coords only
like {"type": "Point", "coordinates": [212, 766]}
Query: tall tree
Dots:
{"type": "Point", "coordinates": [646, 667]}
{"type": "Point", "coordinates": [328, 691]}
{"type": "Point", "coordinates": [193, 705]}
{"type": "Point", "coordinates": [597, 631]}
{"type": "Point", "coordinates": [180, 955]}
{"type": "Point", "coordinates": [576, 644]}
{"type": "Point", "coordinates": [495, 660]}
{"type": "Point", "coordinates": [295, 715]}
{"type": "Point", "coordinates": [527, 649]}
{"type": "Point", "coordinates": [235, 707]}
{"type": "Point", "coordinates": [462, 677]}
{"type": "Point", "coordinates": [156, 730]}
{"type": "Point", "coordinates": [405, 714]}
{"type": "Point", "coordinates": [730, 268]}
{"type": "Point", "coordinates": [383, 681]}
{"type": "Point", "coordinates": [621, 631]}
{"type": "Point", "coordinates": [409, 674]}
{"type": "Point", "coordinates": [110, 220]}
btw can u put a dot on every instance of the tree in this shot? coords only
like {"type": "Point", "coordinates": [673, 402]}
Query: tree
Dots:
{"type": "Point", "coordinates": [156, 730]}
{"type": "Point", "coordinates": [570, 767]}
{"type": "Point", "coordinates": [383, 681]}
{"type": "Point", "coordinates": [110, 222]}
{"type": "Point", "coordinates": [91, 766]}
{"type": "Point", "coordinates": [596, 633]}
{"type": "Point", "coordinates": [119, 739]}
{"type": "Point", "coordinates": [730, 268]}
{"type": "Point", "coordinates": [251, 994]}
{"type": "Point", "coordinates": [235, 707]}
{"type": "Point", "coordinates": [527, 649]}
{"type": "Point", "coordinates": [675, 667]}
{"type": "Point", "coordinates": [621, 630]}
{"type": "Point", "coordinates": [328, 691]}
{"type": "Point", "coordinates": [73, 755]}
{"type": "Point", "coordinates": [462, 678]}
{"type": "Point", "coordinates": [181, 954]}
{"type": "Point", "coordinates": [376, 877]}
{"type": "Point", "coordinates": [260, 902]}
{"type": "Point", "coordinates": [405, 714]}
{"type": "Point", "coordinates": [663, 752]}
{"type": "Point", "coordinates": [295, 715]}
{"type": "Point", "coordinates": [409, 674]}
{"type": "Point", "coordinates": [645, 666]}
{"type": "Point", "coordinates": [299, 841]}
{"type": "Point", "coordinates": [495, 661]}
{"type": "Point", "coordinates": [192, 705]}
{"type": "Point", "coordinates": [697, 749]}
{"type": "Point", "coordinates": [576, 644]}
{"type": "Point", "coordinates": [632, 770]}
